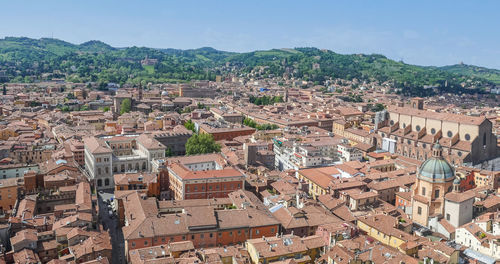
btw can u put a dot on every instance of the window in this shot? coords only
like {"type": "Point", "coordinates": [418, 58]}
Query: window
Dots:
{"type": "Point", "coordinates": [220, 234]}
{"type": "Point", "coordinates": [391, 122]}
{"type": "Point", "coordinates": [449, 133]}
{"type": "Point", "coordinates": [192, 236]}
{"type": "Point", "coordinates": [133, 244]}
{"type": "Point", "coordinates": [272, 230]}
{"type": "Point", "coordinates": [146, 243]}
{"type": "Point", "coordinates": [433, 131]}
{"type": "Point", "coordinates": [106, 181]}
{"type": "Point", "coordinates": [423, 191]}
{"type": "Point", "coordinates": [467, 137]}
{"type": "Point", "coordinates": [211, 235]}
{"type": "Point", "coordinates": [418, 128]}
{"type": "Point", "coordinates": [404, 125]}
{"type": "Point", "coordinates": [448, 217]}
{"type": "Point", "coordinates": [484, 139]}
{"type": "Point", "coordinates": [202, 235]}
{"type": "Point", "coordinates": [459, 153]}
{"type": "Point", "coordinates": [162, 239]}
{"type": "Point", "coordinates": [436, 193]}
{"type": "Point", "coordinates": [257, 232]}
{"type": "Point", "coordinates": [419, 210]}
{"type": "Point", "coordinates": [231, 233]}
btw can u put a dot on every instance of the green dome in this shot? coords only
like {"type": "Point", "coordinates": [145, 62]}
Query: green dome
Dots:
{"type": "Point", "coordinates": [436, 169]}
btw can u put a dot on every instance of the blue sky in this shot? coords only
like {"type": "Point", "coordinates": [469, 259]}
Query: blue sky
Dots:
{"type": "Point", "coordinates": [418, 32]}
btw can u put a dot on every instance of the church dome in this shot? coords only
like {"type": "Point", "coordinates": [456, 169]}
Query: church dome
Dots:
{"type": "Point", "coordinates": [436, 168]}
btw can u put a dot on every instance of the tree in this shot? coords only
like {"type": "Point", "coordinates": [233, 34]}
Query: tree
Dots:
{"type": "Point", "coordinates": [169, 152]}
{"type": "Point", "coordinates": [125, 106]}
{"type": "Point", "coordinates": [105, 109]}
{"type": "Point", "coordinates": [189, 125]}
{"type": "Point", "coordinates": [4, 89]}
{"type": "Point", "coordinates": [201, 144]}
{"type": "Point", "coordinates": [378, 107]}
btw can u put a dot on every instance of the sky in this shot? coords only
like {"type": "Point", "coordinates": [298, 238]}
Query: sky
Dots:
{"type": "Point", "coordinates": [422, 32]}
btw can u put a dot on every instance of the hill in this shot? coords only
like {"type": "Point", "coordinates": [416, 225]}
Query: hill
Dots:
{"type": "Point", "coordinates": [492, 75]}
{"type": "Point", "coordinates": [26, 59]}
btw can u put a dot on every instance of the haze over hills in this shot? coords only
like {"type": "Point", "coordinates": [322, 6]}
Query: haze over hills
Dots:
{"type": "Point", "coordinates": [26, 59]}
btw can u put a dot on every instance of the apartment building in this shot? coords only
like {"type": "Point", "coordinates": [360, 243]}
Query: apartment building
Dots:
{"type": "Point", "coordinates": [203, 177]}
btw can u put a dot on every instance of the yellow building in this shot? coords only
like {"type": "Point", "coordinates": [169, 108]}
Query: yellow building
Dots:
{"type": "Point", "coordinates": [318, 179]}
{"type": "Point", "coordinates": [383, 228]}
{"type": "Point", "coordinates": [8, 193]}
{"type": "Point", "coordinates": [270, 249]}
{"type": "Point", "coordinates": [6, 133]}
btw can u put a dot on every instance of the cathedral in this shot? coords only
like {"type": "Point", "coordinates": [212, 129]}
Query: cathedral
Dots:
{"type": "Point", "coordinates": [436, 199]}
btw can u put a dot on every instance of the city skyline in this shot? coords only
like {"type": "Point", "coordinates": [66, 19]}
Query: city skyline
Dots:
{"type": "Point", "coordinates": [420, 34]}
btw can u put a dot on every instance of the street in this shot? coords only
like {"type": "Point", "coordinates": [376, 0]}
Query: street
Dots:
{"type": "Point", "coordinates": [112, 226]}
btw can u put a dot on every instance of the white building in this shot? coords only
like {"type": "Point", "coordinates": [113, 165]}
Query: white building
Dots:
{"type": "Point", "coordinates": [18, 170]}
{"type": "Point", "coordinates": [478, 239]}
{"type": "Point", "coordinates": [291, 155]}
{"type": "Point", "coordinates": [105, 156]}
{"type": "Point", "coordinates": [349, 153]}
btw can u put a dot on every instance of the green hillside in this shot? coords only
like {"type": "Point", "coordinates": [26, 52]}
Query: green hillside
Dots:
{"type": "Point", "coordinates": [492, 75]}
{"type": "Point", "coordinates": [25, 59]}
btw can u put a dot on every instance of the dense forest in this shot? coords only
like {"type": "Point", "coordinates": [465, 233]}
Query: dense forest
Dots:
{"type": "Point", "coordinates": [31, 60]}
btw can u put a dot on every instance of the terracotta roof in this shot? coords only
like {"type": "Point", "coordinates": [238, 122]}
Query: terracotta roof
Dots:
{"type": "Point", "coordinates": [26, 256]}
{"type": "Point", "coordinates": [460, 197]}
{"type": "Point", "coordinates": [461, 119]}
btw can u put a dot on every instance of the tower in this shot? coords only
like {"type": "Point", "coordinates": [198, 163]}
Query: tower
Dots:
{"type": "Point", "coordinates": [417, 103]}
{"type": "Point", "coordinates": [140, 91]}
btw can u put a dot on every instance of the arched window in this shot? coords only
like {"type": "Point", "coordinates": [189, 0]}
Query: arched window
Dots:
{"type": "Point", "coordinates": [418, 128]}
{"type": "Point", "coordinates": [433, 131]}
{"type": "Point", "coordinates": [450, 134]}
{"type": "Point", "coordinates": [144, 165]}
{"type": "Point", "coordinates": [99, 182]}
{"type": "Point", "coordinates": [123, 168]}
{"type": "Point", "coordinates": [467, 137]}
{"type": "Point", "coordinates": [98, 171]}
{"type": "Point", "coordinates": [484, 139]}
{"type": "Point", "coordinates": [137, 166]}
{"type": "Point", "coordinates": [106, 182]}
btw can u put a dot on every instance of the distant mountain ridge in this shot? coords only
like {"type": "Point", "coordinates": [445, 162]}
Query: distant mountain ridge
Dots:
{"type": "Point", "coordinates": [26, 59]}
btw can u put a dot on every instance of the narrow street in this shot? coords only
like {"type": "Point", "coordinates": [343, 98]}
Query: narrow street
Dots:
{"type": "Point", "coordinates": [112, 226]}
